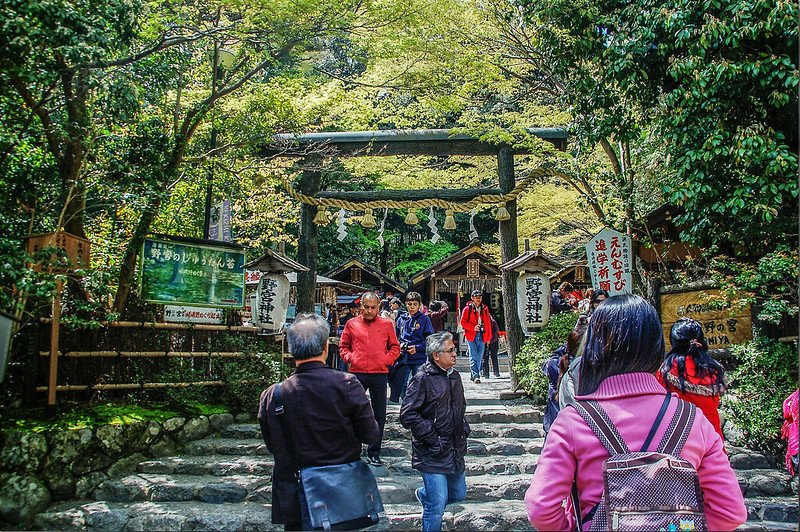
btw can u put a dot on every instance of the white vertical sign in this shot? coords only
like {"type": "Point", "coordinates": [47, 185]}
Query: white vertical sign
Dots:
{"type": "Point", "coordinates": [610, 258]}
{"type": "Point", "coordinates": [533, 301]}
{"type": "Point", "coordinates": [272, 301]}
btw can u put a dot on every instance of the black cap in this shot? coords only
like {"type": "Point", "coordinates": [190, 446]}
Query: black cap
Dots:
{"type": "Point", "coordinates": [476, 293]}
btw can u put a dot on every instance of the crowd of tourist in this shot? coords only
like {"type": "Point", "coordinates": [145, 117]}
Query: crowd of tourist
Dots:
{"type": "Point", "coordinates": [621, 416]}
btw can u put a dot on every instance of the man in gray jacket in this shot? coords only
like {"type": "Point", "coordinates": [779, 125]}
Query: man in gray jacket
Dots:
{"type": "Point", "coordinates": [434, 409]}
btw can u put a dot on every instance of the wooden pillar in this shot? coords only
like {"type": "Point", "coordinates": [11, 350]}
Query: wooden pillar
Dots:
{"type": "Point", "coordinates": [509, 249]}
{"type": "Point", "coordinates": [52, 380]}
{"type": "Point", "coordinates": [307, 246]}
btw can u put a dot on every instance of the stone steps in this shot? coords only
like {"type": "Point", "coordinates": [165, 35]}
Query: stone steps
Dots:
{"type": "Point", "coordinates": [248, 515]}
{"type": "Point", "coordinates": [223, 482]}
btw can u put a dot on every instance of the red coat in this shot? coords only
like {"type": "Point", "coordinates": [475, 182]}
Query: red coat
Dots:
{"type": "Point", "coordinates": [469, 319]}
{"type": "Point", "coordinates": [369, 346]}
{"type": "Point", "coordinates": [699, 391]}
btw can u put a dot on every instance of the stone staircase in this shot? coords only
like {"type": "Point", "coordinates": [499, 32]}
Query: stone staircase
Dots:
{"type": "Point", "coordinates": [223, 482]}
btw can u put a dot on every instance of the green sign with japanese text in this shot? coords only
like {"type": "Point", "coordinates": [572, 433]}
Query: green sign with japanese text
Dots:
{"type": "Point", "coordinates": [182, 273]}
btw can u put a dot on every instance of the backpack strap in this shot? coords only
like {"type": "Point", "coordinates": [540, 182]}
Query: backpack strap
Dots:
{"type": "Point", "coordinates": [602, 426]}
{"type": "Point", "coordinates": [657, 422]}
{"type": "Point", "coordinates": [678, 431]}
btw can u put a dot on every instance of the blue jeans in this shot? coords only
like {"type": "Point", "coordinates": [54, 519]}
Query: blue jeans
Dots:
{"type": "Point", "coordinates": [439, 491]}
{"type": "Point", "coordinates": [476, 349]}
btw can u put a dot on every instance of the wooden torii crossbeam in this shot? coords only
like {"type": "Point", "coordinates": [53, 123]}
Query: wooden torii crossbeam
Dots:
{"type": "Point", "coordinates": [430, 142]}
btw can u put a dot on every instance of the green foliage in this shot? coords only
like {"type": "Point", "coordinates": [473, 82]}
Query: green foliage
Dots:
{"type": "Point", "coordinates": [419, 256]}
{"type": "Point", "coordinates": [772, 282]}
{"type": "Point", "coordinates": [538, 348]}
{"type": "Point", "coordinates": [766, 375]}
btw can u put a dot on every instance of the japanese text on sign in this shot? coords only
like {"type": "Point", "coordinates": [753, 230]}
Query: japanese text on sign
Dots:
{"type": "Point", "coordinates": [723, 325]}
{"type": "Point", "coordinates": [611, 261]}
{"type": "Point", "coordinates": [533, 292]}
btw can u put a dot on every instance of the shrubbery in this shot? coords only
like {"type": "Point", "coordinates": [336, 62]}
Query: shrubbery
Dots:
{"type": "Point", "coordinates": [538, 348]}
{"type": "Point", "coordinates": [766, 374]}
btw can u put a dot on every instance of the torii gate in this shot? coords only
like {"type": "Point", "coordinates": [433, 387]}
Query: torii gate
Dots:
{"type": "Point", "coordinates": [431, 142]}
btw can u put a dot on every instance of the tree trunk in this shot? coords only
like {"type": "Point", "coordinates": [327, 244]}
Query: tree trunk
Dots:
{"type": "Point", "coordinates": [308, 246]}
{"type": "Point", "coordinates": [127, 272]}
{"type": "Point", "coordinates": [509, 249]}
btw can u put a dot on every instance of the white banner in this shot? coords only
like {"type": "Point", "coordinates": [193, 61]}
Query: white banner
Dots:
{"type": "Point", "coordinates": [533, 301]}
{"type": "Point", "coordinates": [272, 302]}
{"type": "Point", "coordinates": [176, 314]}
{"type": "Point", "coordinates": [610, 258]}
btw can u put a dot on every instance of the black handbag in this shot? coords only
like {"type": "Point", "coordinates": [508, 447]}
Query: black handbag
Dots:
{"type": "Point", "coordinates": [336, 497]}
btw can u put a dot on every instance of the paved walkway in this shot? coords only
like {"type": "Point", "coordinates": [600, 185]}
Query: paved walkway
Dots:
{"type": "Point", "coordinates": [223, 482]}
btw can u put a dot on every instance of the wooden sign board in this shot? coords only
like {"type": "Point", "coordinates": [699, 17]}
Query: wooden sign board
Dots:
{"type": "Point", "coordinates": [722, 327]}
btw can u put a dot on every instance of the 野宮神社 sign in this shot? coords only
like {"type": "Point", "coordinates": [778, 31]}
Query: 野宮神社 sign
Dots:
{"type": "Point", "coordinates": [610, 258]}
{"type": "Point", "coordinates": [175, 314]}
{"type": "Point", "coordinates": [533, 301]}
{"type": "Point", "coordinates": [272, 301]}
{"type": "Point", "coordinates": [184, 273]}
{"type": "Point", "coordinates": [722, 327]}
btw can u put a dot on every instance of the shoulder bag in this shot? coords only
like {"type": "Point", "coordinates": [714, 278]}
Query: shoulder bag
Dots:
{"type": "Point", "coordinates": [337, 497]}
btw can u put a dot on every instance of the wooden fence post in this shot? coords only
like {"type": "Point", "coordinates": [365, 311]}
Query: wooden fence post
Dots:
{"type": "Point", "coordinates": [54, 336]}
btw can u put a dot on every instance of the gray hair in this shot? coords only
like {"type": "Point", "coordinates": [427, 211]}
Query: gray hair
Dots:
{"type": "Point", "coordinates": [370, 295]}
{"type": "Point", "coordinates": [307, 336]}
{"type": "Point", "coordinates": [435, 342]}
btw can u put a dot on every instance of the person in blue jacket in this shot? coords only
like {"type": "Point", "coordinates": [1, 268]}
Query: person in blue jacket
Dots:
{"type": "Point", "coordinates": [412, 328]}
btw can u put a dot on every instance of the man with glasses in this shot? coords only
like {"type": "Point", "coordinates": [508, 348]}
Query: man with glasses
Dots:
{"type": "Point", "coordinates": [435, 411]}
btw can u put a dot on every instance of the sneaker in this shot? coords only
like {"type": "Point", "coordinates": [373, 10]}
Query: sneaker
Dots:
{"type": "Point", "coordinates": [477, 380]}
{"type": "Point", "coordinates": [496, 375]}
{"type": "Point", "coordinates": [418, 494]}
{"type": "Point", "coordinates": [375, 461]}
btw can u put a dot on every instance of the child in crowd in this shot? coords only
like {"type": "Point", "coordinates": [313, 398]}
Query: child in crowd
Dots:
{"type": "Point", "coordinates": [790, 431]}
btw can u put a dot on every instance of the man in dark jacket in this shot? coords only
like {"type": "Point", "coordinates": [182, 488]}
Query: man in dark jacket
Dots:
{"type": "Point", "coordinates": [412, 329]}
{"type": "Point", "coordinates": [434, 410]}
{"type": "Point", "coordinates": [327, 413]}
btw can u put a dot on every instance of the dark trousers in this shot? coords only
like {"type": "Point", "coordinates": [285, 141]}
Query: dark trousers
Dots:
{"type": "Point", "coordinates": [376, 384]}
{"type": "Point", "coordinates": [491, 352]}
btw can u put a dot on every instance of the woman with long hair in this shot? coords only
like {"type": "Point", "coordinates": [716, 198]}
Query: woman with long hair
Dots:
{"type": "Point", "coordinates": [691, 372]}
{"type": "Point", "coordinates": [624, 348]}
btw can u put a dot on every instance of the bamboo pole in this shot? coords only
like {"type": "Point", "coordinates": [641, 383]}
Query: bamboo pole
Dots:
{"type": "Point", "coordinates": [147, 354]}
{"type": "Point", "coordinates": [137, 386]}
{"type": "Point", "coordinates": [54, 330]}
{"type": "Point", "coordinates": [187, 326]}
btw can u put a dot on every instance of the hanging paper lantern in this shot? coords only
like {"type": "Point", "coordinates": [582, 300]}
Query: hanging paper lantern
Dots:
{"type": "Point", "coordinates": [272, 302]}
{"type": "Point", "coordinates": [449, 220]}
{"type": "Point", "coordinates": [322, 217]}
{"type": "Point", "coordinates": [411, 217]}
{"type": "Point", "coordinates": [502, 212]}
{"type": "Point", "coordinates": [368, 220]}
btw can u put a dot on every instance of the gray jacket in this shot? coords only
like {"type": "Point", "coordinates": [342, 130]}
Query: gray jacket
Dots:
{"type": "Point", "coordinates": [569, 383]}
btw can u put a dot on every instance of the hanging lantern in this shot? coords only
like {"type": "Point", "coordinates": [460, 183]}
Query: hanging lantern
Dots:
{"type": "Point", "coordinates": [322, 217]}
{"type": "Point", "coordinates": [368, 220]}
{"type": "Point", "coordinates": [502, 212]}
{"type": "Point", "coordinates": [449, 220]}
{"type": "Point", "coordinates": [411, 217]}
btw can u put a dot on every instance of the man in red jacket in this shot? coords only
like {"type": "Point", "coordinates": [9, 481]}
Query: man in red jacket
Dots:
{"type": "Point", "coordinates": [369, 345]}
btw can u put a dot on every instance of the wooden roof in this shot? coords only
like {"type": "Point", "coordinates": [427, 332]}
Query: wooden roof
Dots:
{"type": "Point", "coordinates": [371, 270]}
{"type": "Point", "coordinates": [273, 261]}
{"type": "Point", "coordinates": [452, 263]}
{"type": "Point", "coordinates": [533, 261]}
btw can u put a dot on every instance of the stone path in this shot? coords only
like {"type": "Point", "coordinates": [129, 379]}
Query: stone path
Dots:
{"type": "Point", "coordinates": [223, 482]}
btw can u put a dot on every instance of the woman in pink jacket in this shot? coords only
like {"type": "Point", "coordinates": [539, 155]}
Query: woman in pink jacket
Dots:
{"type": "Point", "coordinates": [624, 348]}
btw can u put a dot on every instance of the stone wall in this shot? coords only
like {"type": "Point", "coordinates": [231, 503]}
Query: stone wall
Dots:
{"type": "Point", "coordinates": [37, 469]}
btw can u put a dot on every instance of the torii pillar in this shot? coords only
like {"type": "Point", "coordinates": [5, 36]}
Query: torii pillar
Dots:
{"type": "Point", "coordinates": [307, 251]}
{"type": "Point", "coordinates": [509, 249]}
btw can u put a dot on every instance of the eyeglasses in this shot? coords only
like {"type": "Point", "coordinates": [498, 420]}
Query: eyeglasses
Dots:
{"type": "Point", "coordinates": [453, 350]}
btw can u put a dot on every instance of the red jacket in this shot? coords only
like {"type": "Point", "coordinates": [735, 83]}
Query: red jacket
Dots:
{"type": "Point", "coordinates": [469, 319]}
{"type": "Point", "coordinates": [369, 346]}
{"type": "Point", "coordinates": [699, 391]}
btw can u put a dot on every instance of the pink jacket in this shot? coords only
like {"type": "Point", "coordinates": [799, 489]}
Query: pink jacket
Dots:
{"type": "Point", "coordinates": [369, 346]}
{"type": "Point", "coordinates": [790, 428]}
{"type": "Point", "coordinates": [632, 401]}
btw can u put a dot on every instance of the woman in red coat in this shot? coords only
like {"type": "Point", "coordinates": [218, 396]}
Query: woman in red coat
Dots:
{"type": "Point", "coordinates": [691, 372]}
